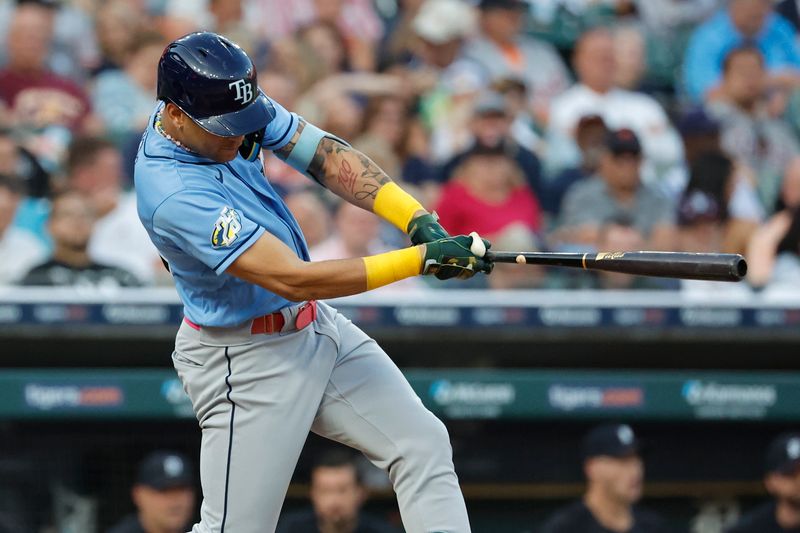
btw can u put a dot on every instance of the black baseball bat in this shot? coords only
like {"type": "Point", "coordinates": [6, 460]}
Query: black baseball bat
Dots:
{"type": "Point", "coordinates": [684, 265]}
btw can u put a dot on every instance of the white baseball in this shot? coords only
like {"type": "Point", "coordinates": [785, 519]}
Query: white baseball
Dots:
{"type": "Point", "coordinates": [520, 259]}
{"type": "Point", "coordinates": [477, 247]}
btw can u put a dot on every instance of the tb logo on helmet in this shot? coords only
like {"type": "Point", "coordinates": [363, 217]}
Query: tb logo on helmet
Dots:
{"type": "Point", "coordinates": [244, 90]}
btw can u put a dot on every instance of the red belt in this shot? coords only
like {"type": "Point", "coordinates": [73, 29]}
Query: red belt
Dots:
{"type": "Point", "coordinates": [274, 322]}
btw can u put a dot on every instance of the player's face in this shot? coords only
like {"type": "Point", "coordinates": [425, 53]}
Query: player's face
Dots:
{"type": "Point", "coordinates": [621, 478]}
{"type": "Point", "coordinates": [336, 494]}
{"type": "Point", "coordinates": [220, 149]}
{"type": "Point", "coordinates": [785, 488]}
{"type": "Point", "coordinates": [71, 221]}
{"type": "Point", "coordinates": [165, 510]}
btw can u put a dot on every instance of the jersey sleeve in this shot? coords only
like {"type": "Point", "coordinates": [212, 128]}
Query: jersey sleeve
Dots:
{"type": "Point", "coordinates": [206, 226]}
{"type": "Point", "coordinates": [280, 130]}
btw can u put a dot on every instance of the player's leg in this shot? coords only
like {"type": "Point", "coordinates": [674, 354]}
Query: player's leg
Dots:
{"type": "Point", "coordinates": [255, 398]}
{"type": "Point", "coordinates": [370, 406]}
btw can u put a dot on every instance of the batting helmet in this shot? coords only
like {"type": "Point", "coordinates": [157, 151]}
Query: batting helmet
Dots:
{"type": "Point", "coordinates": [212, 80]}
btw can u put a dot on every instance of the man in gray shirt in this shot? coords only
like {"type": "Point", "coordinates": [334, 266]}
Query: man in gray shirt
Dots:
{"type": "Point", "coordinates": [617, 193]}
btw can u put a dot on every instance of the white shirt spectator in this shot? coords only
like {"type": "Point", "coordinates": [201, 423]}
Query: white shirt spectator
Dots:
{"type": "Point", "coordinates": [119, 239]}
{"type": "Point", "coordinates": [21, 250]}
{"type": "Point", "coordinates": [619, 109]}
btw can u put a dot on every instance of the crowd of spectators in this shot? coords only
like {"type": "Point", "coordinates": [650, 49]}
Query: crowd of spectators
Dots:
{"type": "Point", "coordinates": [550, 125]}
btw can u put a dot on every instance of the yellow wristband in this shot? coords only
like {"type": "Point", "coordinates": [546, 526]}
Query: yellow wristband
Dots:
{"type": "Point", "coordinates": [386, 268]}
{"type": "Point", "coordinates": [396, 206]}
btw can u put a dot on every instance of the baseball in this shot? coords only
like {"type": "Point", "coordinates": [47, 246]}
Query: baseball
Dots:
{"type": "Point", "coordinates": [520, 259]}
{"type": "Point", "coordinates": [477, 247]}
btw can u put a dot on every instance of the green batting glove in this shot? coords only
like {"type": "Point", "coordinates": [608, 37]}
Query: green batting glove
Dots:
{"type": "Point", "coordinates": [451, 258]}
{"type": "Point", "coordinates": [426, 228]}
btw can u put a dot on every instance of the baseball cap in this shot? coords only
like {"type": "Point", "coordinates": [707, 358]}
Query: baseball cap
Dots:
{"type": "Point", "coordinates": [783, 454]}
{"type": "Point", "coordinates": [623, 141]}
{"type": "Point", "coordinates": [698, 206]}
{"type": "Point", "coordinates": [490, 103]}
{"type": "Point", "coordinates": [503, 4]}
{"type": "Point", "coordinates": [163, 470]}
{"type": "Point", "coordinates": [442, 21]}
{"type": "Point", "coordinates": [697, 122]}
{"type": "Point", "coordinates": [611, 440]}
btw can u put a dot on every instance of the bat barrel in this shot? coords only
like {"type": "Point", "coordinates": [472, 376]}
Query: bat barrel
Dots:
{"type": "Point", "coordinates": [684, 265]}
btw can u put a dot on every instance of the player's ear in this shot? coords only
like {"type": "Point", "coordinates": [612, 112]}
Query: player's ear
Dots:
{"type": "Point", "coordinates": [174, 112]}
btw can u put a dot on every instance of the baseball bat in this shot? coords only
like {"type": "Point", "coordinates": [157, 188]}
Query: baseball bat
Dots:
{"type": "Point", "coordinates": [684, 265]}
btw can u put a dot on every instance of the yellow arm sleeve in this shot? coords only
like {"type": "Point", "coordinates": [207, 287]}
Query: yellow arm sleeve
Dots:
{"type": "Point", "coordinates": [386, 268]}
{"type": "Point", "coordinates": [395, 205]}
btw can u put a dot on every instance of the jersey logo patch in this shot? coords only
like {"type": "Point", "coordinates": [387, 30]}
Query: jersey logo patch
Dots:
{"type": "Point", "coordinates": [226, 228]}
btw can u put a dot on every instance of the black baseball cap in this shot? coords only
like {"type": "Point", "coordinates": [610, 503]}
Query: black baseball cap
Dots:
{"type": "Point", "coordinates": [503, 4]}
{"type": "Point", "coordinates": [623, 141]}
{"type": "Point", "coordinates": [611, 440]}
{"type": "Point", "coordinates": [783, 454]}
{"type": "Point", "coordinates": [697, 122]}
{"type": "Point", "coordinates": [164, 470]}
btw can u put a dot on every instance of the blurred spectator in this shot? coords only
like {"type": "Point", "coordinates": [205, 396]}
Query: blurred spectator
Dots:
{"type": "Point", "coordinates": [617, 192]}
{"type": "Point", "coordinates": [94, 167]}
{"type": "Point", "coordinates": [384, 130]}
{"type": "Point", "coordinates": [487, 194]}
{"type": "Point", "coordinates": [502, 51]}
{"type": "Point", "coordinates": [614, 474]}
{"type": "Point", "coordinates": [595, 94]}
{"type": "Point", "coordinates": [773, 252]}
{"type": "Point", "coordinates": [337, 495]}
{"type": "Point", "coordinates": [71, 222]}
{"type": "Point", "coordinates": [74, 52]}
{"type": "Point", "coordinates": [717, 206]}
{"type": "Point", "coordinates": [490, 127]}
{"type": "Point", "coordinates": [741, 22]}
{"type": "Point", "coordinates": [312, 215]}
{"type": "Point", "coordinates": [226, 17]}
{"type": "Point", "coordinates": [36, 96]}
{"type": "Point", "coordinates": [164, 495]}
{"type": "Point", "coordinates": [766, 144]}
{"type": "Point", "coordinates": [19, 248]}
{"type": "Point", "coordinates": [442, 28]}
{"type": "Point", "coordinates": [782, 480]}
{"type": "Point", "coordinates": [590, 136]}
{"type": "Point", "coordinates": [117, 23]}
{"type": "Point", "coordinates": [124, 99]}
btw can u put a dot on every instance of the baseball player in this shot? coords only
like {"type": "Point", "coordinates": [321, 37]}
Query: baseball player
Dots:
{"type": "Point", "coordinates": [614, 480]}
{"type": "Point", "coordinates": [262, 361]}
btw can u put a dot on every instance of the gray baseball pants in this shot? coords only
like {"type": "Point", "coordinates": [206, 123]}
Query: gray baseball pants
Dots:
{"type": "Point", "coordinates": [257, 396]}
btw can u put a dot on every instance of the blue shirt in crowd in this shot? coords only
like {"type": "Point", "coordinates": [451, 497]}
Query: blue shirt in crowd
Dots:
{"type": "Point", "coordinates": [711, 42]}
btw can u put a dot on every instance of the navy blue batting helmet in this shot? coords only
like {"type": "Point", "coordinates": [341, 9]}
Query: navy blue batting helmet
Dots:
{"type": "Point", "coordinates": [212, 80]}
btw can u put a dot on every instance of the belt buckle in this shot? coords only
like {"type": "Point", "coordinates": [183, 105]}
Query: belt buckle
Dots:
{"type": "Point", "coordinates": [306, 314]}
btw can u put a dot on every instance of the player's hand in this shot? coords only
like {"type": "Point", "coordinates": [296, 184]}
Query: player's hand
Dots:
{"type": "Point", "coordinates": [457, 257]}
{"type": "Point", "coordinates": [426, 228]}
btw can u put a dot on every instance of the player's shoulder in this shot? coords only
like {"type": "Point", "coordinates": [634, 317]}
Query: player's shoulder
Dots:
{"type": "Point", "coordinates": [571, 518]}
{"type": "Point", "coordinates": [759, 520]}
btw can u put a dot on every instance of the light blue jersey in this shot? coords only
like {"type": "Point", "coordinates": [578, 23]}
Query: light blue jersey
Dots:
{"type": "Point", "coordinates": [202, 215]}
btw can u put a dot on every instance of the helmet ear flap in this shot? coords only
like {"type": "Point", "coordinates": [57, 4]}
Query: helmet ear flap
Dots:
{"type": "Point", "coordinates": [251, 145]}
